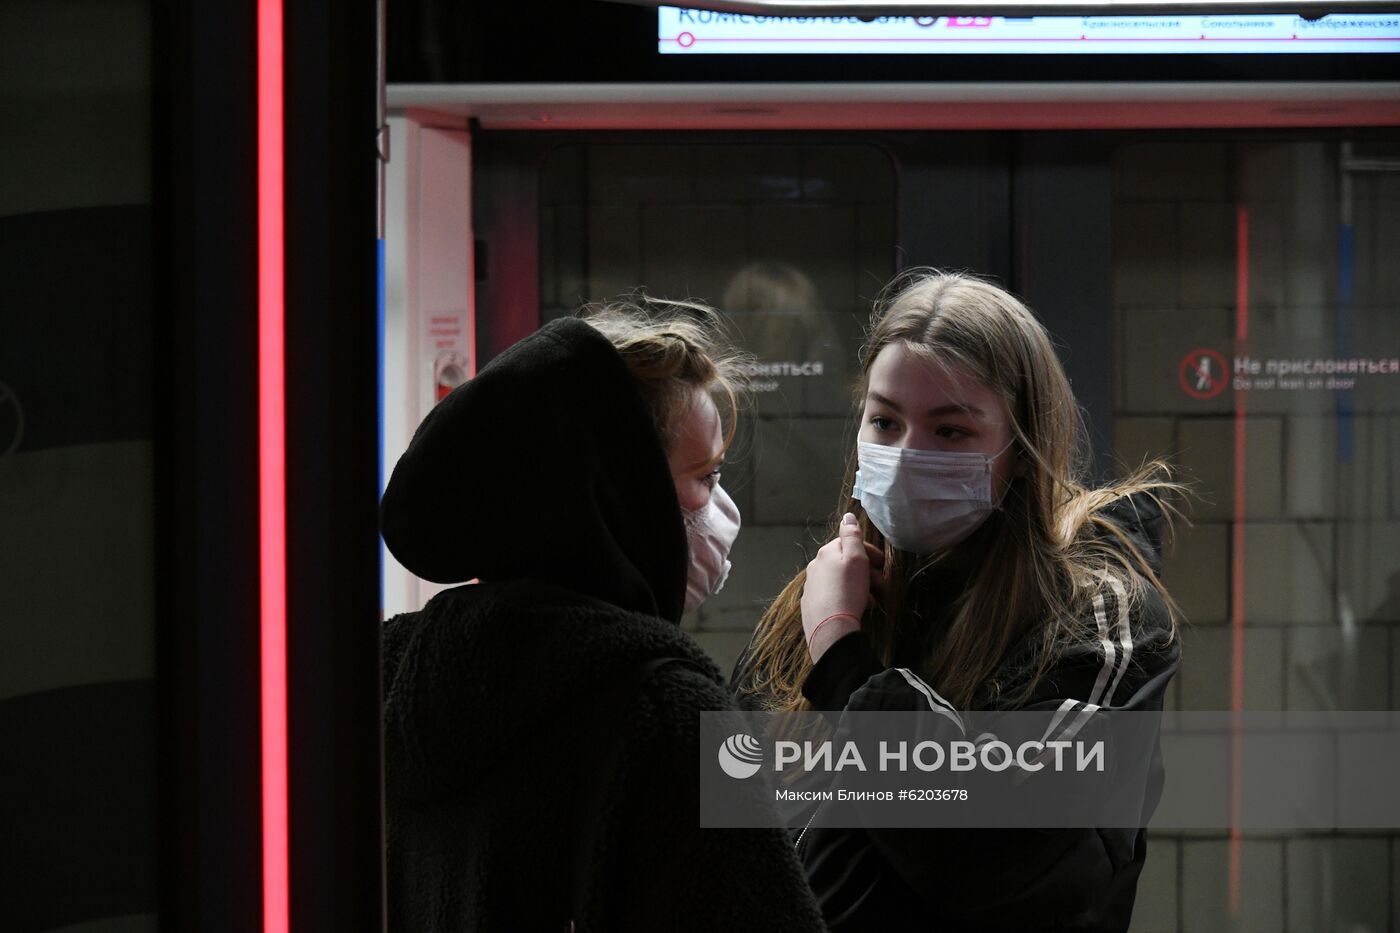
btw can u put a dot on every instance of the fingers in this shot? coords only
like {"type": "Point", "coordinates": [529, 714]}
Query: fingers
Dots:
{"type": "Point", "coordinates": [849, 535]}
{"type": "Point", "coordinates": [849, 544]}
{"type": "Point", "coordinates": [841, 577]}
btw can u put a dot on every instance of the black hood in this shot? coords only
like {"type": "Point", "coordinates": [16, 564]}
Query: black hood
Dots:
{"type": "Point", "coordinates": [546, 466]}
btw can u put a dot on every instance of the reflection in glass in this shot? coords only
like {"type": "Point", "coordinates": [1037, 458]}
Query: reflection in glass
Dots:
{"type": "Point", "coordinates": [791, 241]}
{"type": "Point", "coordinates": [1277, 258]}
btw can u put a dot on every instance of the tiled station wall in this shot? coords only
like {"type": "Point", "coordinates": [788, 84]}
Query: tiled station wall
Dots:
{"type": "Point", "coordinates": [1322, 523]}
{"type": "Point", "coordinates": [1321, 562]}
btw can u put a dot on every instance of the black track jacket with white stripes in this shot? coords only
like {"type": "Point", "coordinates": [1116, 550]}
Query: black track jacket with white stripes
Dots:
{"type": "Point", "coordinates": [1023, 880]}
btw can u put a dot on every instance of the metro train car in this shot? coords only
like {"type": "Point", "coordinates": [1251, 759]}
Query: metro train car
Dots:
{"type": "Point", "coordinates": [252, 246]}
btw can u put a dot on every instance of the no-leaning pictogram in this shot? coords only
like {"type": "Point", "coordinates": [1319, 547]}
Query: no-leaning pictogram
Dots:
{"type": "Point", "coordinates": [1203, 373]}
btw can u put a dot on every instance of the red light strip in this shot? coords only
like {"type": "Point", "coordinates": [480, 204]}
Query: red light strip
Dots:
{"type": "Point", "coordinates": [1237, 558]}
{"type": "Point", "coordinates": [272, 469]}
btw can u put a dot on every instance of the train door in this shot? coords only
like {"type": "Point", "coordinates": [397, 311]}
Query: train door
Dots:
{"type": "Point", "coordinates": [1222, 299]}
{"type": "Point", "coordinates": [794, 236]}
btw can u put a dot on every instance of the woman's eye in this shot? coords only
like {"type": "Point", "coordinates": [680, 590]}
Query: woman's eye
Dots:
{"type": "Point", "coordinates": [881, 423]}
{"type": "Point", "coordinates": [711, 479]}
{"type": "Point", "coordinates": [951, 431]}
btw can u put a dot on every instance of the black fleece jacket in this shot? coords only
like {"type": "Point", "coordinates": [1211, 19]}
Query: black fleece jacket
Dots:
{"type": "Point", "coordinates": [1012, 880]}
{"type": "Point", "coordinates": [524, 790]}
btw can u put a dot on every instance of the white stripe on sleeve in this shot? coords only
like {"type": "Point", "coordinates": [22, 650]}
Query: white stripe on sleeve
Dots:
{"type": "Point", "coordinates": [1078, 723]}
{"type": "Point", "coordinates": [1109, 655]}
{"type": "Point", "coordinates": [935, 702]}
{"type": "Point", "coordinates": [1125, 636]}
{"type": "Point", "coordinates": [1065, 707]}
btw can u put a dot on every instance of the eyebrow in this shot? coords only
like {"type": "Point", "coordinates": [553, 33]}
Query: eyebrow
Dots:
{"type": "Point", "coordinates": [710, 462]}
{"type": "Point", "coordinates": [958, 408]}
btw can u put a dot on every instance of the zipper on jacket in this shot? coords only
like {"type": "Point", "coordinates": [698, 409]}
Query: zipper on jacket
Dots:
{"type": "Point", "coordinates": [802, 835]}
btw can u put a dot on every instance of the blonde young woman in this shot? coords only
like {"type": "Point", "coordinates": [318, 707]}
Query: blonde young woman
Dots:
{"type": "Point", "coordinates": [541, 720]}
{"type": "Point", "coordinates": [972, 569]}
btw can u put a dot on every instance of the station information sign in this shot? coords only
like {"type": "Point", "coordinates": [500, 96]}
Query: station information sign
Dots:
{"type": "Point", "coordinates": [684, 31]}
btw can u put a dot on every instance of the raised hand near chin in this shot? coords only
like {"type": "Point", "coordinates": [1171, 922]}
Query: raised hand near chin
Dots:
{"type": "Point", "coordinates": [838, 587]}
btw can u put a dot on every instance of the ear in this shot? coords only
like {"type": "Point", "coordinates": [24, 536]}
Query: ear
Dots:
{"type": "Point", "coordinates": [1021, 464]}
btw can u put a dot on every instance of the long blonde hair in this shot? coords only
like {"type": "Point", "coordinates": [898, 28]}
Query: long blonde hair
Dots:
{"type": "Point", "coordinates": [1038, 560]}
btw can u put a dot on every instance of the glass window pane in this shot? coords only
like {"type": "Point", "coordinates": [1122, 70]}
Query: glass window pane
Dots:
{"type": "Point", "coordinates": [792, 241]}
{"type": "Point", "coordinates": [1257, 305]}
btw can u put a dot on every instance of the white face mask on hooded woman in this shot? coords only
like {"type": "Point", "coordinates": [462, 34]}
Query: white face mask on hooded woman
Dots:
{"type": "Point", "coordinates": [710, 531]}
{"type": "Point", "coordinates": [925, 501]}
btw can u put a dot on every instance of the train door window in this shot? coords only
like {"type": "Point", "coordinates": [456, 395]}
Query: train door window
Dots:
{"type": "Point", "coordinates": [1257, 313]}
{"type": "Point", "coordinates": [792, 241]}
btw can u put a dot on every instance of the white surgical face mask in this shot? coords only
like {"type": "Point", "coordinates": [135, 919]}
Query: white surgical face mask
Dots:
{"type": "Point", "coordinates": [924, 501]}
{"type": "Point", "coordinates": [710, 531]}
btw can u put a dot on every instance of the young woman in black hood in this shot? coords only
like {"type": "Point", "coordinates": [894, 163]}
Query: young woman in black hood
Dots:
{"type": "Point", "coordinates": [540, 749]}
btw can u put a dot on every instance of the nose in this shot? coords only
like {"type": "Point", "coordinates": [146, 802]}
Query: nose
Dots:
{"type": "Point", "coordinates": [917, 438]}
